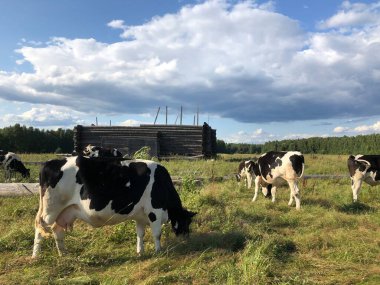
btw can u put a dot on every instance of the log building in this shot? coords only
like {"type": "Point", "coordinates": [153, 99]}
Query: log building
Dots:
{"type": "Point", "coordinates": [164, 140]}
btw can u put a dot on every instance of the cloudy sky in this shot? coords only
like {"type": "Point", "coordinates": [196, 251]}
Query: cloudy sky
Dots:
{"type": "Point", "coordinates": [257, 70]}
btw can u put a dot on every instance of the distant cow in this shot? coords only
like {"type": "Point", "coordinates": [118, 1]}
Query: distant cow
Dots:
{"type": "Point", "coordinates": [11, 162]}
{"type": "Point", "coordinates": [363, 168]}
{"type": "Point", "coordinates": [275, 167]}
{"type": "Point", "coordinates": [245, 172]}
{"type": "Point", "coordinates": [97, 151]}
{"type": "Point", "coordinates": [101, 193]}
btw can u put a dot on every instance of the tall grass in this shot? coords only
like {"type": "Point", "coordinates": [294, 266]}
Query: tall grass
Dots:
{"type": "Point", "coordinates": [233, 241]}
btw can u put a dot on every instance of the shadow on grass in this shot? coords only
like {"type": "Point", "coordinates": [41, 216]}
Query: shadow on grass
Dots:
{"type": "Point", "coordinates": [281, 249]}
{"type": "Point", "coordinates": [324, 203]}
{"type": "Point", "coordinates": [356, 208]}
{"type": "Point", "coordinates": [231, 241]}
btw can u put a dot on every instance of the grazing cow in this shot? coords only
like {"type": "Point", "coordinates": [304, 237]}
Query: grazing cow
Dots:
{"type": "Point", "coordinates": [276, 167]}
{"type": "Point", "coordinates": [100, 193]}
{"type": "Point", "coordinates": [245, 171]}
{"type": "Point", "coordinates": [97, 151]}
{"type": "Point", "coordinates": [363, 168]}
{"type": "Point", "coordinates": [12, 163]}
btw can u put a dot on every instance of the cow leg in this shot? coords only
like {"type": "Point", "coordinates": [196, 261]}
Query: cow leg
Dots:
{"type": "Point", "coordinates": [155, 224]}
{"type": "Point", "coordinates": [356, 186]}
{"type": "Point", "coordinates": [140, 230]}
{"type": "Point", "coordinates": [37, 243]}
{"type": "Point", "coordinates": [257, 182]}
{"type": "Point", "coordinates": [249, 181]}
{"type": "Point", "coordinates": [59, 235]}
{"type": "Point", "coordinates": [273, 193]}
{"type": "Point", "coordinates": [294, 193]}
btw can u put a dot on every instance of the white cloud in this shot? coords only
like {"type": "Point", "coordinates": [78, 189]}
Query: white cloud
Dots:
{"type": "Point", "coordinates": [117, 24]}
{"type": "Point", "coordinates": [258, 136]}
{"type": "Point", "coordinates": [362, 129]}
{"type": "Point", "coordinates": [354, 14]}
{"type": "Point", "coordinates": [242, 61]}
{"type": "Point", "coordinates": [368, 128]}
{"type": "Point", "coordinates": [301, 136]}
{"type": "Point", "coordinates": [130, 123]}
{"type": "Point", "coordinates": [45, 116]}
{"type": "Point", "coordinates": [340, 129]}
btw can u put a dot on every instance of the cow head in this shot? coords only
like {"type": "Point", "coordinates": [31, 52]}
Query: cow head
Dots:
{"type": "Point", "coordinates": [181, 222]}
{"type": "Point", "coordinates": [26, 173]}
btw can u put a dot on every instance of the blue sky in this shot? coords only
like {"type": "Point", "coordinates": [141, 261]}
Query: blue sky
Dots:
{"type": "Point", "coordinates": [258, 70]}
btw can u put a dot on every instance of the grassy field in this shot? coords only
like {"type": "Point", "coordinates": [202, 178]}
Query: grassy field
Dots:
{"type": "Point", "coordinates": [233, 241]}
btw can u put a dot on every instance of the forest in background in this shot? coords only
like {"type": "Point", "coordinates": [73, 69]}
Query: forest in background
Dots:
{"type": "Point", "coordinates": [363, 144]}
{"type": "Point", "coordinates": [25, 139]}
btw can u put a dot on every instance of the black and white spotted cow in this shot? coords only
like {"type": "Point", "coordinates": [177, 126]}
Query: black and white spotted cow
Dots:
{"type": "Point", "coordinates": [276, 167]}
{"type": "Point", "coordinates": [100, 193]}
{"type": "Point", "coordinates": [245, 172]}
{"type": "Point", "coordinates": [363, 168]}
{"type": "Point", "coordinates": [97, 151]}
{"type": "Point", "coordinates": [12, 163]}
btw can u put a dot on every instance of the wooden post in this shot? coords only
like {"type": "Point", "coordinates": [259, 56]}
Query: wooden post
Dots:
{"type": "Point", "coordinates": [180, 120]}
{"type": "Point", "coordinates": [166, 117]}
{"type": "Point", "coordinates": [198, 116]}
{"type": "Point", "coordinates": [158, 111]}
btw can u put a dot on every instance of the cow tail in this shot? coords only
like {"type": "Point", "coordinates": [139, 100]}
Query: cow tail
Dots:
{"type": "Point", "coordinates": [40, 224]}
{"type": "Point", "coordinates": [303, 168]}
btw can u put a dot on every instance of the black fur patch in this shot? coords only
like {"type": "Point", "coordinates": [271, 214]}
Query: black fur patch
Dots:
{"type": "Point", "coordinates": [352, 165]}
{"type": "Point", "coordinates": [152, 217]}
{"type": "Point", "coordinates": [256, 169]}
{"type": "Point", "coordinates": [270, 161]}
{"type": "Point", "coordinates": [297, 162]}
{"type": "Point", "coordinates": [269, 194]}
{"type": "Point", "coordinates": [104, 181]}
{"type": "Point", "coordinates": [51, 172]}
{"type": "Point", "coordinates": [377, 175]}
{"type": "Point", "coordinates": [241, 166]}
{"type": "Point", "coordinates": [163, 194]}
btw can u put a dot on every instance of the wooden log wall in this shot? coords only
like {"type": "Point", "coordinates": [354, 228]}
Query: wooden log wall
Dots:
{"type": "Point", "coordinates": [167, 140]}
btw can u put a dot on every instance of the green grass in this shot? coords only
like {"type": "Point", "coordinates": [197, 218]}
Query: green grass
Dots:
{"type": "Point", "coordinates": [233, 241]}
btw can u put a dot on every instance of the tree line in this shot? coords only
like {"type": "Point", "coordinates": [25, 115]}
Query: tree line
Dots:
{"type": "Point", "coordinates": [24, 139]}
{"type": "Point", "coordinates": [362, 144]}
{"type": "Point", "coordinates": [19, 138]}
